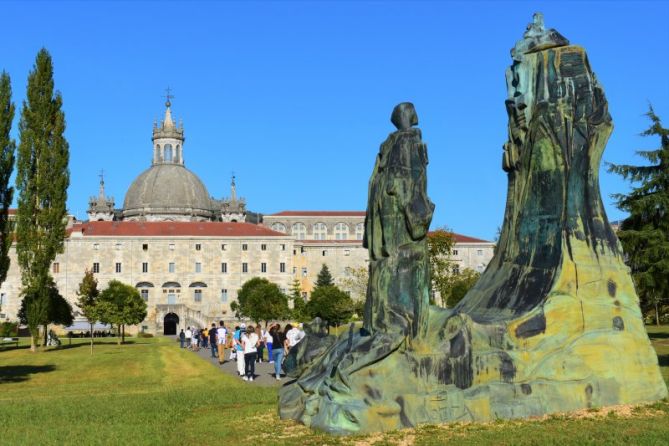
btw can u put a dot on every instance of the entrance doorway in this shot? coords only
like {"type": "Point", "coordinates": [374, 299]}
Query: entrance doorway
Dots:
{"type": "Point", "coordinates": [170, 324]}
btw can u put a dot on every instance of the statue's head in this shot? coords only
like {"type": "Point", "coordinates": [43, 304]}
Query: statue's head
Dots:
{"type": "Point", "coordinates": [404, 116]}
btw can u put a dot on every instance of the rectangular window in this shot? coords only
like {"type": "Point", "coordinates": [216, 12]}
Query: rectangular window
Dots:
{"type": "Point", "coordinates": [456, 270]}
{"type": "Point", "coordinates": [283, 247]}
{"type": "Point", "coordinates": [145, 295]}
{"type": "Point", "coordinates": [294, 269]}
{"type": "Point", "coordinates": [119, 246]}
{"type": "Point", "coordinates": [171, 246]}
{"type": "Point", "coordinates": [145, 247]}
{"type": "Point", "coordinates": [263, 247]}
{"type": "Point", "coordinates": [347, 252]}
{"type": "Point", "coordinates": [198, 295]}
{"type": "Point", "coordinates": [224, 247]}
{"type": "Point", "coordinates": [198, 267]}
{"type": "Point", "coordinates": [245, 267]}
{"type": "Point", "coordinates": [304, 272]}
{"type": "Point", "coordinates": [96, 267]}
{"type": "Point", "coordinates": [245, 247]}
{"type": "Point", "coordinates": [224, 267]}
{"type": "Point", "coordinates": [455, 252]}
{"type": "Point", "coordinates": [56, 267]}
{"type": "Point", "coordinates": [118, 267]}
{"type": "Point", "coordinates": [145, 267]}
{"type": "Point", "coordinates": [325, 253]}
{"type": "Point", "coordinates": [198, 247]}
{"type": "Point", "coordinates": [263, 267]}
{"type": "Point", "coordinates": [224, 295]}
{"type": "Point", "coordinates": [479, 252]}
{"type": "Point", "coordinates": [96, 246]}
{"type": "Point", "coordinates": [282, 267]}
{"type": "Point", "coordinates": [171, 267]}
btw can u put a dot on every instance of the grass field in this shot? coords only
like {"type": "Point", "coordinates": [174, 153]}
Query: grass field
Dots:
{"type": "Point", "coordinates": [151, 392]}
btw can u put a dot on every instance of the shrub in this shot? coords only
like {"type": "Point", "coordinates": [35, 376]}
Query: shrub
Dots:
{"type": "Point", "coordinates": [144, 335]}
{"type": "Point", "coordinates": [9, 329]}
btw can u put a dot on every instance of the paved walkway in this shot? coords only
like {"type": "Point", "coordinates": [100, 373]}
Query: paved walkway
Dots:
{"type": "Point", "coordinates": [264, 375]}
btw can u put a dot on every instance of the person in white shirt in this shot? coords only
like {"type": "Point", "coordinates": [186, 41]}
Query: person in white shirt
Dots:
{"type": "Point", "coordinates": [189, 336]}
{"type": "Point", "coordinates": [293, 336]}
{"type": "Point", "coordinates": [221, 337]}
{"type": "Point", "coordinates": [250, 341]}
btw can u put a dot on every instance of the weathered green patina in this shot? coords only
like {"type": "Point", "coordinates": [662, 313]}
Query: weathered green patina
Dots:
{"type": "Point", "coordinates": [554, 322]}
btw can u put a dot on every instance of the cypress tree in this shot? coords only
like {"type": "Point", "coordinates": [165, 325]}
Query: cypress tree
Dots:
{"type": "Point", "coordinates": [324, 277]}
{"type": "Point", "coordinates": [42, 180]}
{"type": "Point", "coordinates": [644, 234]}
{"type": "Point", "coordinates": [7, 149]}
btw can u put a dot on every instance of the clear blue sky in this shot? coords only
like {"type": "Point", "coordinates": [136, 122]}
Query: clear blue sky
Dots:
{"type": "Point", "coordinates": [296, 97]}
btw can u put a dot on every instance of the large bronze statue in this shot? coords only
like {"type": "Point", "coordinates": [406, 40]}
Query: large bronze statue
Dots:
{"type": "Point", "coordinates": [553, 324]}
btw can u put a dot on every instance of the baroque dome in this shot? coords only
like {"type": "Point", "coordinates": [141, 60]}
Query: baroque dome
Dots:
{"type": "Point", "coordinates": [167, 192]}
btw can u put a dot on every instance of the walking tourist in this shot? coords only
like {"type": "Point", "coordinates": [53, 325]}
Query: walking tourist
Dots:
{"type": "Point", "coordinates": [268, 343]}
{"type": "Point", "coordinates": [250, 342]}
{"type": "Point", "coordinates": [213, 333]}
{"type": "Point", "coordinates": [239, 350]}
{"type": "Point", "coordinates": [293, 335]}
{"type": "Point", "coordinates": [195, 339]}
{"type": "Point", "coordinates": [278, 340]}
{"type": "Point", "coordinates": [205, 337]}
{"type": "Point", "coordinates": [261, 343]}
{"type": "Point", "coordinates": [189, 336]}
{"type": "Point", "coordinates": [221, 339]}
{"type": "Point", "coordinates": [182, 338]}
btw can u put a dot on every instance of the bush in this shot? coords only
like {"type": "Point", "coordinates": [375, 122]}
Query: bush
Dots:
{"type": "Point", "coordinates": [9, 329]}
{"type": "Point", "coordinates": [144, 335]}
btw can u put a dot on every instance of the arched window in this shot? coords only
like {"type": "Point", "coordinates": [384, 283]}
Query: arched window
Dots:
{"type": "Point", "coordinates": [359, 231]}
{"type": "Point", "coordinates": [320, 231]}
{"type": "Point", "coordinates": [299, 230]}
{"type": "Point", "coordinates": [177, 154]}
{"type": "Point", "coordinates": [279, 227]}
{"type": "Point", "coordinates": [167, 152]}
{"type": "Point", "coordinates": [341, 231]}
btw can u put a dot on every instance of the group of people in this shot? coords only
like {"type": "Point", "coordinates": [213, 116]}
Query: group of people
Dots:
{"type": "Point", "coordinates": [247, 344]}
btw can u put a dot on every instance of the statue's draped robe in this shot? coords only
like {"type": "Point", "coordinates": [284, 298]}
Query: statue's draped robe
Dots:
{"type": "Point", "coordinates": [398, 217]}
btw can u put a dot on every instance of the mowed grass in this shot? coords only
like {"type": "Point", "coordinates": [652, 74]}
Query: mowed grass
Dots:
{"type": "Point", "coordinates": [151, 392]}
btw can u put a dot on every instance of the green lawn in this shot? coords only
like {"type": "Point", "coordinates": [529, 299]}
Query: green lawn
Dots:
{"type": "Point", "coordinates": [151, 392]}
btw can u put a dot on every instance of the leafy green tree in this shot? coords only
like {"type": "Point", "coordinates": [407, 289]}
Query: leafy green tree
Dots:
{"type": "Point", "coordinates": [299, 311]}
{"type": "Point", "coordinates": [355, 281]}
{"type": "Point", "coordinates": [330, 304]}
{"type": "Point", "coordinates": [120, 304]}
{"type": "Point", "coordinates": [261, 300]}
{"type": "Point", "coordinates": [42, 179]}
{"type": "Point", "coordinates": [440, 244]}
{"type": "Point", "coordinates": [644, 234]}
{"type": "Point", "coordinates": [52, 310]}
{"type": "Point", "coordinates": [459, 285]}
{"type": "Point", "coordinates": [88, 298]}
{"type": "Point", "coordinates": [7, 149]}
{"type": "Point", "coordinates": [324, 277]}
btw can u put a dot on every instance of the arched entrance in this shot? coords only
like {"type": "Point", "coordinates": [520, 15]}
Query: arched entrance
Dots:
{"type": "Point", "coordinates": [170, 324]}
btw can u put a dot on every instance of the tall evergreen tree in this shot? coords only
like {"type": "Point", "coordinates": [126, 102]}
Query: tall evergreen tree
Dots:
{"type": "Point", "coordinates": [42, 179]}
{"type": "Point", "coordinates": [324, 277]}
{"type": "Point", "coordinates": [7, 149]}
{"type": "Point", "coordinates": [644, 234]}
{"type": "Point", "coordinates": [88, 298]}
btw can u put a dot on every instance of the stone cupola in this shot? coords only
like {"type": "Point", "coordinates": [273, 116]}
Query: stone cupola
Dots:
{"type": "Point", "coordinates": [168, 139]}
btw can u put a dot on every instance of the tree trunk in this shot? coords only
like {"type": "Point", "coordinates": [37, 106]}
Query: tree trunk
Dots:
{"type": "Point", "coordinates": [33, 340]}
{"type": "Point", "coordinates": [657, 313]}
{"type": "Point", "coordinates": [123, 334]}
{"type": "Point", "coordinates": [118, 334]}
{"type": "Point", "coordinates": [45, 335]}
{"type": "Point", "coordinates": [91, 339]}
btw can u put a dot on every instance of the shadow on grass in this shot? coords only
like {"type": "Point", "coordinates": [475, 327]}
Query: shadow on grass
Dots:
{"type": "Point", "coordinates": [19, 373]}
{"type": "Point", "coordinates": [66, 346]}
{"type": "Point", "coordinates": [658, 335]}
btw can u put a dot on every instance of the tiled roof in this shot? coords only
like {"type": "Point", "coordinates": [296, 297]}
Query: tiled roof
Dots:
{"type": "Point", "coordinates": [172, 229]}
{"type": "Point", "coordinates": [319, 214]}
{"type": "Point", "coordinates": [459, 238]}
